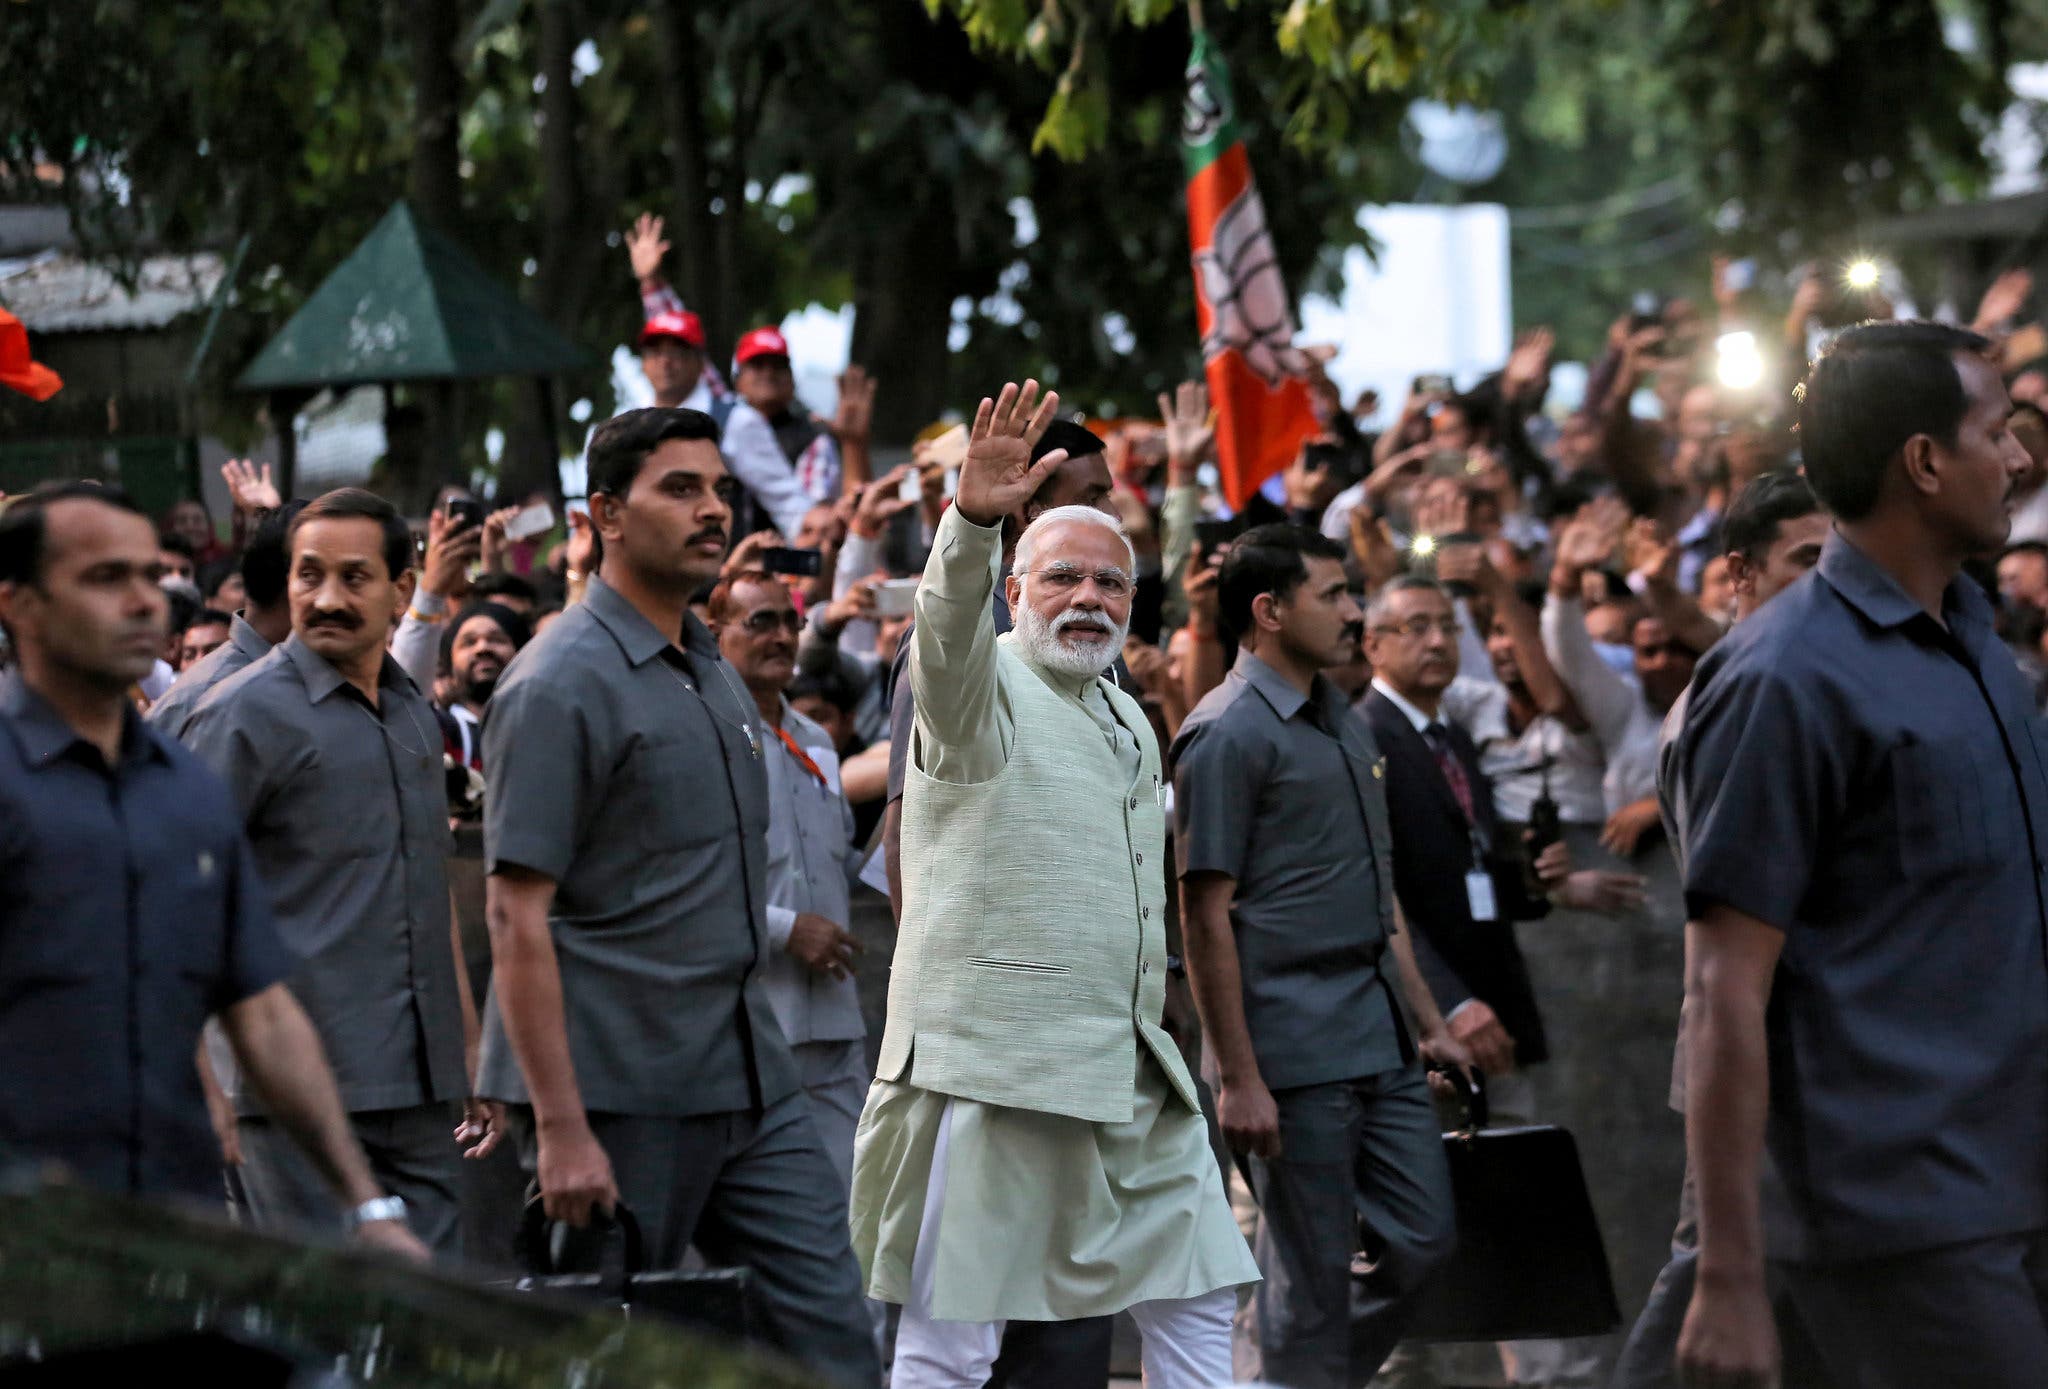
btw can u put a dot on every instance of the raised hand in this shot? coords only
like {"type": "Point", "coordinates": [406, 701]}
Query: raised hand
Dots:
{"type": "Point", "coordinates": [1650, 551]}
{"type": "Point", "coordinates": [494, 542]}
{"type": "Point", "coordinates": [854, 420]}
{"type": "Point", "coordinates": [1444, 508]}
{"type": "Point", "coordinates": [851, 606]}
{"type": "Point", "coordinates": [1588, 542]}
{"type": "Point", "coordinates": [252, 491]}
{"type": "Point", "coordinates": [445, 568]}
{"type": "Point", "coordinates": [1527, 363]}
{"type": "Point", "coordinates": [2003, 300]}
{"type": "Point", "coordinates": [881, 502]}
{"type": "Point", "coordinates": [1200, 580]}
{"type": "Point", "coordinates": [998, 477]}
{"type": "Point", "coordinates": [646, 246]}
{"type": "Point", "coordinates": [1190, 428]}
{"type": "Point", "coordinates": [747, 554]}
{"type": "Point", "coordinates": [1372, 548]}
{"type": "Point", "coordinates": [1148, 666]}
{"type": "Point", "coordinates": [581, 547]}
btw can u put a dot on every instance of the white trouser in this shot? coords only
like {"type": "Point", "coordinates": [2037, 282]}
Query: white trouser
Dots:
{"type": "Point", "coordinates": [1186, 1340]}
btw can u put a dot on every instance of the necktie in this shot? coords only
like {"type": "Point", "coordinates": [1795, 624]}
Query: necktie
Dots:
{"type": "Point", "coordinates": [1453, 770]}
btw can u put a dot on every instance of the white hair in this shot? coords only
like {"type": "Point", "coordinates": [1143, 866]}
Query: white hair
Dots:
{"type": "Point", "coordinates": [1028, 543]}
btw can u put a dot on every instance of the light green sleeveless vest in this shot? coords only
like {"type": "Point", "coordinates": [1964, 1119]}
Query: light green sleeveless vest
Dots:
{"type": "Point", "coordinates": [1032, 956]}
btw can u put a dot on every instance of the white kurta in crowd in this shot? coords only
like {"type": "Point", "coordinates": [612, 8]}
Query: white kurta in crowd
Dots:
{"type": "Point", "coordinates": [1032, 1147]}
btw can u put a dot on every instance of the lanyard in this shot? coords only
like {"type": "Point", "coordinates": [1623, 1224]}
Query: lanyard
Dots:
{"type": "Point", "coordinates": [803, 757]}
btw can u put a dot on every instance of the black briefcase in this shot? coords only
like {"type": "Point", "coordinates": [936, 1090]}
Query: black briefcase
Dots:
{"type": "Point", "coordinates": [717, 1301]}
{"type": "Point", "coordinates": [1529, 1263]}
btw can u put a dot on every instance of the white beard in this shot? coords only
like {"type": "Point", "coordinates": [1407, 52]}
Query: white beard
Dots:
{"type": "Point", "coordinates": [1043, 647]}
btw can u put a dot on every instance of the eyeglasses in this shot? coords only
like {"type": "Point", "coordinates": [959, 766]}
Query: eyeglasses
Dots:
{"type": "Point", "coordinates": [760, 624]}
{"type": "Point", "coordinates": [1419, 627]}
{"type": "Point", "coordinates": [1113, 584]}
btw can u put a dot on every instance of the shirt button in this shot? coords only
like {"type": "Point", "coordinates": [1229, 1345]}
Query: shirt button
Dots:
{"type": "Point", "coordinates": [1140, 857]}
{"type": "Point", "coordinates": [1145, 914]}
{"type": "Point", "coordinates": [1145, 967]}
{"type": "Point", "coordinates": [1134, 802]}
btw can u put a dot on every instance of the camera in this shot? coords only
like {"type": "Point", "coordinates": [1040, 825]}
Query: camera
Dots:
{"type": "Point", "coordinates": [804, 564]}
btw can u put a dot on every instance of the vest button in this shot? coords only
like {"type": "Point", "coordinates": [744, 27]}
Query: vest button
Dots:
{"type": "Point", "coordinates": [1145, 914]}
{"type": "Point", "coordinates": [1144, 967]}
{"type": "Point", "coordinates": [1134, 802]}
{"type": "Point", "coordinates": [1141, 858]}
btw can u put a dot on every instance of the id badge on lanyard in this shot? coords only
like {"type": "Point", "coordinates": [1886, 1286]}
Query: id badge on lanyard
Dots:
{"type": "Point", "coordinates": [1479, 887]}
{"type": "Point", "coordinates": [1479, 895]}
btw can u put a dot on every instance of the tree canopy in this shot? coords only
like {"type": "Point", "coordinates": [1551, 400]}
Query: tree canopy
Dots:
{"type": "Point", "coordinates": [995, 186]}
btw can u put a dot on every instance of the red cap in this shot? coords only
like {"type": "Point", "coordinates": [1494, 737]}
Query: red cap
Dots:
{"type": "Point", "coordinates": [18, 371]}
{"type": "Point", "coordinates": [685, 325]}
{"type": "Point", "coordinates": [762, 342]}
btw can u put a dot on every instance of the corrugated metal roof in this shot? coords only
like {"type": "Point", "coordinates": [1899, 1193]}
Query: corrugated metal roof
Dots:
{"type": "Point", "coordinates": [59, 293]}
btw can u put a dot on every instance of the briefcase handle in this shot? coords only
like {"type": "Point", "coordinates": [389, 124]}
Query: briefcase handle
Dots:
{"type": "Point", "coordinates": [537, 1237]}
{"type": "Point", "coordinates": [1471, 1088]}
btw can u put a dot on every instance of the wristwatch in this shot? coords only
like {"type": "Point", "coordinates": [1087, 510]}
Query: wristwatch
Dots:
{"type": "Point", "coordinates": [368, 1213]}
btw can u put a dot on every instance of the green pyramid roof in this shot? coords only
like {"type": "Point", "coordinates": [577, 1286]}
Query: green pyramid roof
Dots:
{"type": "Point", "coordinates": [409, 305]}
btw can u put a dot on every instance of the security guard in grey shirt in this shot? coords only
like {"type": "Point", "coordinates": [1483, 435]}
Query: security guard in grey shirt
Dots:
{"type": "Point", "coordinates": [624, 835]}
{"type": "Point", "coordinates": [335, 760]}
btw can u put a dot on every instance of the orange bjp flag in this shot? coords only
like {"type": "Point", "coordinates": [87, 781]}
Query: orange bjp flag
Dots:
{"type": "Point", "coordinates": [1257, 377]}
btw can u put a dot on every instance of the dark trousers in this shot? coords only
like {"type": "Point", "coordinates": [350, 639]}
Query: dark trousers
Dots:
{"type": "Point", "coordinates": [1053, 1355]}
{"type": "Point", "coordinates": [412, 1154]}
{"type": "Point", "coordinates": [754, 1190]}
{"type": "Point", "coordinates": [1650, 1359]}
{"type": "Point", "coordinates": [1358, 1158]}
{"type": "Point", "coordinates": [1972, 1314]}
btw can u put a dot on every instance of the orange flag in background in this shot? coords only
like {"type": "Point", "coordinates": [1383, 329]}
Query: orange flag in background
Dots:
{"type": "Point", "coordinates": [1256, 374]}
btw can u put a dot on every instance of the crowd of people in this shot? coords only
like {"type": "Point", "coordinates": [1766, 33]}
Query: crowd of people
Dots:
{"type": "Point", "coordinates": [364, 874]}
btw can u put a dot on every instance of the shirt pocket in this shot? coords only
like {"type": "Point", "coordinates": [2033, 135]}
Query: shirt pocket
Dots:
{"type": "Point", "coordinates": [343, 806]}
{"type": "Point", "coordinates": [675, 795]}
{"type": "Point", "coordinates": [1953, 796]}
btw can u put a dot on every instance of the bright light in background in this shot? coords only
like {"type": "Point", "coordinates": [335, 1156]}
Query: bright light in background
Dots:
{"type": "Point", "coordinates": [1026, 217]}
{"type": "Point", "coordinates": [1117, 329]}
{"type": "Point", "coordinates": [580, 411]}
{"type": "Point", "coordinates": [1738, 364]}
{"type": "Point", "coordinates": [1861, 273]}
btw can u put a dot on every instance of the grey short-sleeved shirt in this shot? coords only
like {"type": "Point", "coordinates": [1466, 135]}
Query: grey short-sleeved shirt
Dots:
{"type": "Point", "coordinates": [1287, 796]}
{"type": "Point", "coordinates": [647, 807]}
{"type": "Point", "coordinates": [129, 911]}
{"type": "Point", "coordinates": [1876, 786]}
{"type": "Point", "coordinates": [346, 808]}
{"type": "Point", "coordinates": [243, 648]}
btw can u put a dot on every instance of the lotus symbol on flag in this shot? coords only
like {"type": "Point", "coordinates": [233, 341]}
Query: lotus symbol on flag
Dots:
{"type": "Point", "coordinates": [1202, 116]}
{"type": "Point", "coordinates": [1239, 279]}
